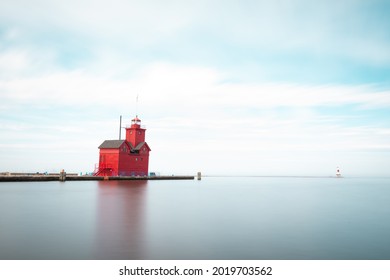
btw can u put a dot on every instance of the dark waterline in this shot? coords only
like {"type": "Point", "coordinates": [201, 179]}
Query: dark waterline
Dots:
{"type": "Point", "coordinates": [215, 218]}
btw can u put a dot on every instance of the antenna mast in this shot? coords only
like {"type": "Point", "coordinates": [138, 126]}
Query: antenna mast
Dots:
{"type": "Point", "coordinates": [120, 126]}
{"type": "Point", "coordinates": [136, 105]}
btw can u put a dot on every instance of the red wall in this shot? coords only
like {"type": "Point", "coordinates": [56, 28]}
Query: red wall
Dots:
{"type": "Point", "coordinates": [124, 163]}
{"type": "Point", "coordinates": [135, 135]}
{"type": "Point", "coordinates": [134, 164]}
{"type": "Point", "coordinates": [108, 159]}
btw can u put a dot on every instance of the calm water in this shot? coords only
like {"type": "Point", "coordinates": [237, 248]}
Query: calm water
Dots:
{"type": "Point", "coordinates": [216, 218]}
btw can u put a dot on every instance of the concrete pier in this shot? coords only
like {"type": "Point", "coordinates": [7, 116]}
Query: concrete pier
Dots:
{"type": "Point", "coordinates": [28, 177]}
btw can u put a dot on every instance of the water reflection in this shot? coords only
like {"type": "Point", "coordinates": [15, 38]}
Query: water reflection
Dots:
{"type": "Point", "coordinates": [215, 218]}
{"type": "Point", "coordinates": [120, 229]}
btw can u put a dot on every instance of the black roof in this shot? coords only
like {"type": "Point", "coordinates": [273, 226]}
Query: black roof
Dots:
{"type": "Point", "coordinates": [115, 144]}
{"type": "Point", "coordinates": [139, 146]}
{"type": "Point", "coordinates": [111, 144]}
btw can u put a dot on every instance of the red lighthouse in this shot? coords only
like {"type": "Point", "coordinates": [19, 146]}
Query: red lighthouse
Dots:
{"type": "Point", "coordinates": [128, 157]}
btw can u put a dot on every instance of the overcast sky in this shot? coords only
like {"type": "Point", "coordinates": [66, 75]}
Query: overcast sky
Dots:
{"type": "Point", "coordinates": [282, 87]}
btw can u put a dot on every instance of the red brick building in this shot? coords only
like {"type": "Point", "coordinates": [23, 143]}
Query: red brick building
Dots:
{"type": "Point", "coordinates": [129, 157]}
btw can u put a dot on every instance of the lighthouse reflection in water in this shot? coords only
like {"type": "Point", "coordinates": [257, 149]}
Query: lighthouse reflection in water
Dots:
{"type": "Point", "coordinates": [215, 218]}
{"type": "Point", "coordinates": [120, 228]}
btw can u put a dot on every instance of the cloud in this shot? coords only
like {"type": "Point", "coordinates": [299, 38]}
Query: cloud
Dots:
{"type": "Point", "coordinates": [192, 111]}
{"type": "Point", "coordinates": [224, 83]}
{"type": "Point", "coordinates": [147, 20]}
{"type": "Point", "coordinates": [14, 60]}
{"type": "Point", "coordinates": [348, 29]}
{"type": "Point", "coordinates": [164, 85]}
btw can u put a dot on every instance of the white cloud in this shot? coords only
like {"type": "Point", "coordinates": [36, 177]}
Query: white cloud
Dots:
{"type": "Point", "coordinates": [13, 61]}
{"type": "Point", "coordinates": [55, 116]}
{"type": "Point", "coordinates": [167, 88]}
{"type": "Point", "coordinates": [147, 20]}
{"type": "Point", "coordinates": [343, 29]}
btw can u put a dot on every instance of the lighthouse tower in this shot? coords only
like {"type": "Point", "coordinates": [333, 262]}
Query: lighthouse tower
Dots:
{"type": "Point", "coordinates": [135, 134]}
{"type": "Point", "coordinates": [129, 157]}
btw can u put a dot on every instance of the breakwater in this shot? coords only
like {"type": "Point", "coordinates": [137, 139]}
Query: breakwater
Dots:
{"type": "Point", "coordinates": [30, 177]}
